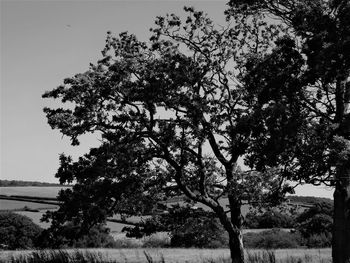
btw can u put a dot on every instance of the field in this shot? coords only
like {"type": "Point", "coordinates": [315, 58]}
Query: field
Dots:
{"type": "Point", "coordinates": [28, 191]}
{"type": "Point", "coordinates": [52, 191]}
{"type": "Point", "coordinates": [197, 255]}
{"type": "Point", "coordinates": [19, 205]}
{"type": "Point", "coordinates": [35, 191]}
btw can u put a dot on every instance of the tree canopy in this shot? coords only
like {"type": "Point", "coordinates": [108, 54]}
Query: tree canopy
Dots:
{"type": "Point", "coordinates": [17, 231]}
{"type": "Point", "coordinates": [321, 30]}
{"type": "Point", "coordinates": [177, 113]}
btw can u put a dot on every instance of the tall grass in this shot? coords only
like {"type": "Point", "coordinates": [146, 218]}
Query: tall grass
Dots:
{"type": "Point", "coordinates": [79, 256]}
{"type": "Point", "coordinates": [59, 256]}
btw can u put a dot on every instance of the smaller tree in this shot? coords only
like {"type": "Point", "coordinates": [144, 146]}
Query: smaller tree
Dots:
{"type": "Point", "coordinates": [70, 235]}
{"type": "Point", "coordinates": [187, 226]}
{"type": "Point", "coordinates": [316, 225]}
{"type": "Point", "coordinates": [271, 218]}
{"type": "Point", "coordinates": [17, 231]}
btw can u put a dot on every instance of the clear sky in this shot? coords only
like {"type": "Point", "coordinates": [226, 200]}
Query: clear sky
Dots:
{"type": "Point", "coordinates": [43, 42]}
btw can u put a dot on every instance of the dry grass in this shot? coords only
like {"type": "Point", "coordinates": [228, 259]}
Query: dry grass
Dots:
{"type": "Point", "coordinates": [197, 255]}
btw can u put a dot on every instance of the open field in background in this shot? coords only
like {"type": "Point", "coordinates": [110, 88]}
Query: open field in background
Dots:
{"type": "Point", "coordinates": [52, 191]}
{"type": "Point", "coordinates": [194, 255]}
{"type": "Point", "coordinates": [36, 216]}
{"type": "Point", "coordinates": [35, 191]}
{"type": "Point", "coordinates": [19, 205]}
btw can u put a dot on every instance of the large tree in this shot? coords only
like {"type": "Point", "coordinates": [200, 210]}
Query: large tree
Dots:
{"type": "Point", "coordinates": [322, 155]}
{"type": "Point", "coordinates": [176, 113]}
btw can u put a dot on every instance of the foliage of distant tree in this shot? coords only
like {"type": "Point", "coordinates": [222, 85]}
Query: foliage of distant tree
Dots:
{"type": "Point", "coordinates": [316, 225]}
{"type": "Point", "coordinates": [313, 200]}
{"type": "Point", "coordinates": [187, 227]}
{"type": "Point", "coordinates": [272, 239]}
{"type": "Point", "coordinates": [4, 183]}
{"type": "Point", "coordinates": [71, 236]}
{"type": "Point", "coordinates": [18, 231]}
{"type": "Point", "coordinates": [271, 218]}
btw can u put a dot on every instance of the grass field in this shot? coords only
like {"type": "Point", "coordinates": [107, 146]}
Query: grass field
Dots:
{"type": "Point", "coordinates": [196, 255]}
{"type": "Point", "coordinates": [35, 191]}
{"type": "Point", "coordinates": [17, 205]}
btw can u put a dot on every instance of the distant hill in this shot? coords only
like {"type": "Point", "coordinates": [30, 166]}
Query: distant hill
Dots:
{"type": "Point", "coordinates": [6, 183]}
{"type": "Point", "coordinates": [310, 200]}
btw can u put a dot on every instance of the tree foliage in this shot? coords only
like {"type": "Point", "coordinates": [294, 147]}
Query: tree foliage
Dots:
{"type": "Point", "coordinates": [187, 226]}
{"type": "Point", "coordinates": [181, 110]}
{"type": "Point", "coordinates": [18, 231]}
{"type": "Point", "coordinates": [321, 30]}
{"type": "Point", "coordinates": [185, 107]}
{"type": "Point", "coordinates": [316, 220]}
{"type": "Point", "coordinates": [271, 218]}
{"type": "Point", "coordinates": [70, 235]}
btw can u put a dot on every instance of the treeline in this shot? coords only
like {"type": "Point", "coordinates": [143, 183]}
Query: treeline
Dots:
{"type": "Point", "coordinates": [5, 183]}
{"type": "Point", "coordinates": [311, 200]}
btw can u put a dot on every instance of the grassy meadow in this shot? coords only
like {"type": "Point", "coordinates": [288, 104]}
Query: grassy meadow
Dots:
{"type": "Point", "coordinates": [34, 191]}
{"type": "Point", "coordinates": [20, 205]}
{"type": "Point", "coordinates": [27, 192]}
{"type": "Point", "coordinates": [194, 255]}
{"type": "Point", "coordinates": [51, 192]}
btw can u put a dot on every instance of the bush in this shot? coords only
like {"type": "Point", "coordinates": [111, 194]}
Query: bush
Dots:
{"type": "Point", "coordinates": [17, 231]}
{"type": "Point", "coordinates": [188, 227]}
{"type": "Point", "coordinates": [269, 219]}
{"type": "Point", "coordinates": [199, 232]}
{"type": "Point", "coordinates": [127, 243]}
{"type": "Point", "coordinates": [157, 240]}
{"type": "Point", "coordinates": [272, 239]}
{"type": "Point", "coordinates": [315, 225]}
{"type": "Point", "coordinates": [70, 236]}
{"type": "Point", "coordinates": [318, 241]}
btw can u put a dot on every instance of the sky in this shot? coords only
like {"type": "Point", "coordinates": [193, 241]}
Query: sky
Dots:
{"type": "Point", "coordinates": [43, 42]}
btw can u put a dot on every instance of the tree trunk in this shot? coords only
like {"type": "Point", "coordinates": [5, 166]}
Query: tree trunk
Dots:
{"type": "Point", "coordinates": [236, 247]}
{"type": "Point", "coordinates": [341, 217]}
{"type": "Point", "coordinates": [234, 233]}
{"type": "Point", "coordinates": [236, 240]}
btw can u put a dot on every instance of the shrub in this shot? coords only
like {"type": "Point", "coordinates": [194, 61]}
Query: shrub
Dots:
{"type": "Point", "coordinates": [272, 239]}
{"type": "Point", "coordinates": [17, 231]}
{"type": "Point", "coordinates": [157, 240]}
{"type": "Point", "coordinates": [127, 243]}
{"type": "Point", "coordinates": [315, 225]}
{"type": "Point", "coordinates": [271, 218]}
{"type": "Point", "coordinates": [319, 241]}
{"type": "Point", "coordinates": [70, 236]}
{"type": "Point", "coordinates": [199, 232]}
{"type": "Point", "coordinates": [188, 227]}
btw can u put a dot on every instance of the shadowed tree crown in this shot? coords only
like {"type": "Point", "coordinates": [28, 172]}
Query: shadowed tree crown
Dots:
{"type": "Point", "coordinates": [177, 112]}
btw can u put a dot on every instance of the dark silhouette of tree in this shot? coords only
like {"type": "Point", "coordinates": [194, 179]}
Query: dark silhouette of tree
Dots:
{"type": "Point", "coordinates": [175, 114]}
{"type": "Point", "coordinates": [320, 152]}
{"type": "Point", "coordinates": [187, 226]}
{"type": "Point", "coordinates": [18, 231]}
